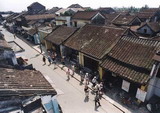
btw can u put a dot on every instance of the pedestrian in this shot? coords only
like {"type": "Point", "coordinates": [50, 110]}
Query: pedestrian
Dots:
{"type": "Point", "coordinates": [63, 63]}
{"type": "Point", "coordinates": [49, 60]}
{"type": "Point", "coordinates": [14, 36]}
{"type": "Point", "coordinates": [97, 100]}
{"type": "Point", "coordinates": [87, 79]}
{"type": "Point", "coordinates": [82, 77]}
{"type": "Point", "coordinates": [44, 60]}
{"type": "Point", "coordinates": [68, 74]}
{"type": "Point", "coordinates": [94, 81]}
{"type": "Point", "coordinates": [86, 90]}
{"type": "Point", "coordinates": [73, 70]}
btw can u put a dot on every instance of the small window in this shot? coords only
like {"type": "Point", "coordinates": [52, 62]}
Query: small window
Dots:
{"type": "Point", "coordinates": [145, 30]}
{"type": "Point", "coordinates": [75, 24]}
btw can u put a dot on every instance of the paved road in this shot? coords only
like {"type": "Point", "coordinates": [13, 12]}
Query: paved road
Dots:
{"type": "Point", "coordinates": [70, 93]}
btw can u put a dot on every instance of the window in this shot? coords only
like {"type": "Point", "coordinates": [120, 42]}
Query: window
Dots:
{"type": "Point", "coordinates": [75, 24]}
{"type": "Point", "coordinates": [145, 30]}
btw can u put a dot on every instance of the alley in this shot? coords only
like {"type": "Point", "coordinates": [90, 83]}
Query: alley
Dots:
{"type": "Point", "coordinates": [70, 93]}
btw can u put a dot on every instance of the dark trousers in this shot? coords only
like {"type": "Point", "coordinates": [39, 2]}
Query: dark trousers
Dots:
{"type": "Point", "coordinates": [98, 103]}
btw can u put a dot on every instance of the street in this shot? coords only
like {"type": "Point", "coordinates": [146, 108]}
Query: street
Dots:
{"type": "Point", "coordinates": [71, 96]}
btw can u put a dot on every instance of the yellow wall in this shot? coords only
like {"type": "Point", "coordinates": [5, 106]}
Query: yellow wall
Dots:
{"type": "Point", "coordinates": [80, 23]}
{"type": "Point", "coordinates": [81, 59]}
{"type": "Point", "coordinates": [100, 72]}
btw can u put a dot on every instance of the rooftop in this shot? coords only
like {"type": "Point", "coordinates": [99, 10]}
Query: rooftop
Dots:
{"type": "Point", "coordinates": [40, 16]}
{"type": "Point", "coordinates": [132, 58]}
{"type": "Point", "coordinates": [60, 34]}
{"type": "Point", "coordinates": [96, 41]}
{"type": "Point", "coordinates": [15, 82]}
{"type": "Point", "coordinates": [84, 15]}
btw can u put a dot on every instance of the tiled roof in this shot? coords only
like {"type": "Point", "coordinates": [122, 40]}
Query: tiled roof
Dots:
{"type": "Point", "coordinates": [32, 31]}
{"type": "Point", "coordinates": [125, 71]}
{"type": "Point", "coordinates": [60, 34]}
{"type": "Point", "coordinates": [93, 40]}
{"type": "Point", "coordinates": [146, 15]}
{"type": "Point", "coordinates": [23, 83]}
{"type": "Point", "coordinates": [84, 15]}
{"type": "Point", "coordinates": [110, 17]}
{"type": "Point", "coordinates": [135, 51]}
{"type": "Point", "coordinates": [123, 19]}
{"type": "Point", "coordinates": [40, 16]}
{"type": "Point", "coordinates": [132, 58]}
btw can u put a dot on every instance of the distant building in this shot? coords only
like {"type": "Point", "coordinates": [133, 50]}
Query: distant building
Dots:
{"type": "Point", "coordinates": [82, 18]}
{"type": "Point", "coordinates": [75, 6]}
{"type": "Point", "coordinates": [35, 7]}
{"type": "Point", "coordinates": [106, 10]}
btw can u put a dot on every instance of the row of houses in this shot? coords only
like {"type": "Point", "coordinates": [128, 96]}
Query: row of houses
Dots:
{"type": "Point", "coordinates": [122, 47]}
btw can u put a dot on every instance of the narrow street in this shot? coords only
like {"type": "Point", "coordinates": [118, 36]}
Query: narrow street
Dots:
{"type": "Point", "coordinates": [70, 94]}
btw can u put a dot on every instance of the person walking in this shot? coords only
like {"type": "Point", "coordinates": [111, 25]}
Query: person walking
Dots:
{"type": "Point", "coordinates": [82, 77]}
{"type": "Point", "coordinates": [14, 36]}
{"type": "Point", "coordinates": [94, 81]}
{"type": "Point", "coordinates": [87, 79]}
{"type": "Point", "coordinates": [86, 90]}
{"type": "Point", "coordinates": [44, 60]}
{"type": "Point", "coordinates": [49, 60]}
{"type": "Point", "coordinates": [68, 74]}
{"type": "Point", "coordinates": [73, 70]}
{"type": "Point", "coordinates": [97, 100]}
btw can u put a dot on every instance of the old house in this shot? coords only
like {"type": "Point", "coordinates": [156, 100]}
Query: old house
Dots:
{"type": "Point", "coordinates": [56, 39]}
{"type": "Point", "coordinates": [64, 16]}
{"type": "Point", "coordinates": [148, 29]}
{"type": "Point", "coordinates": [7, 55]}
{"type": "Point", "coordinates": [23, 91]}
{"type": "Point", "coordinates": [128, 65]}
{"type": "Point", "coordinates": [126, 20]}
{"type": "Point", "coordinates": [35, 7]}
{"type": "Point", "coordinates": [91, 43]}
{"type": "Point", "coordinates": [82, 18]}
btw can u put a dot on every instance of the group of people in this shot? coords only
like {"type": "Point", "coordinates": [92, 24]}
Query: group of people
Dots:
{"type": "Point", "coordinates": [97, 88]}
{"type": "Point", "coordinates": [51, 59]}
